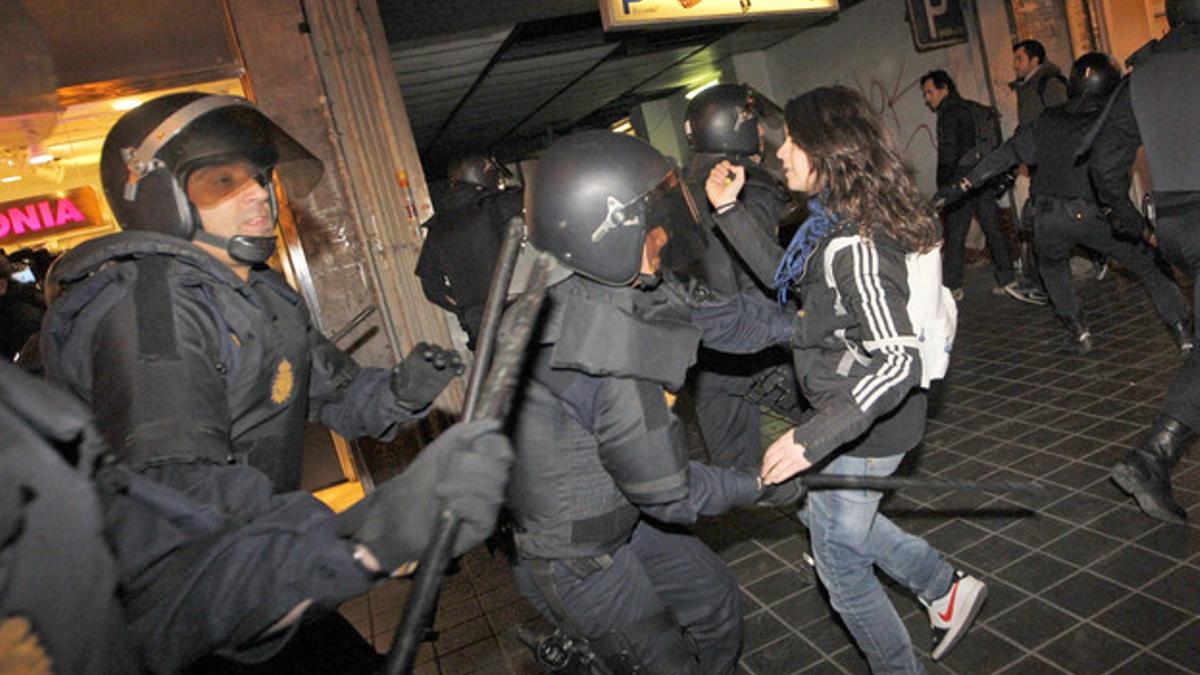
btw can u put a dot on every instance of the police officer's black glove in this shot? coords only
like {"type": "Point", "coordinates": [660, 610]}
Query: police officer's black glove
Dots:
{"type": "Point", "coordinates": [423, 374]}
{"type": "Point", "coordinates": [786, 493]}
{"type": "Point", "coordinates": [464, 470]}
{"type": "Point", "coordinates": [1126, 222]}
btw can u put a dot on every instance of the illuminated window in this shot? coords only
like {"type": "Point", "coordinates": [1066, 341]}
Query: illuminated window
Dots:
{"type": "Point", "coordinates": [50, 193]}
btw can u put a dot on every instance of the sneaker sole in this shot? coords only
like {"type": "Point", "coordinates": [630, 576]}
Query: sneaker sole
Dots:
{"type": "Point", "coordinates": [1024, 298]}
{"type": "Point", "coordinates": [954, 636]}
{"type": "Point", "coordinates": [1125, 479]}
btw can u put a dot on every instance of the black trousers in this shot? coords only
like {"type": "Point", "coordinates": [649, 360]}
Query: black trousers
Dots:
{"type": "Point", "coordinates": [326, 644]}
{"type": "Point", "coordinates": [982, 205]}
{"type": "Point", "coordinates": [729, 422]}
{"type": "Point", "coordinates": [661, 569]}
{"type": "Point", "coordinates": [1178, 230]}
{"type": "Point", "coordinates": [1060, 227]}
{"type": "Point", "coordinates": [1029, 261]}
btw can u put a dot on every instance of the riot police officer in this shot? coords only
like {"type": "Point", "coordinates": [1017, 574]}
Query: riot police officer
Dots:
{"type": "Point", "coordinates": [1066, 210]}
{"type": "Point", "coordinates": [603, 476]}
{"type": "Point", "coordinates": [58, 603]}
{"type": "Point", "coordinates": [464, 238]}
{"type": "Point", "coordinates": [201, 366]}
{"type": "Point", "coordinates": [1157, 109]}
{"type": "Point", "coordinates": [722, 124]}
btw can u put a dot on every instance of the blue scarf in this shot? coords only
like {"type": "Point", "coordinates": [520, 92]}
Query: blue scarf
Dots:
{"type": "Point", "coordinates": [820, 221]}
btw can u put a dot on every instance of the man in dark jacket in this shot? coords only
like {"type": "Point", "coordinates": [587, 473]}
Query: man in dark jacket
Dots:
{"type": "Point", "coordinates": [1039, 85]}
{"type": "Point", "coordinates": [1066, 210]}
{"type": "Point", "coordinates": [201, 366]}
{"type": "Point", "coordinates": [1156, 107]}
{"type": "Point", "coordinates": [958, 151]}
{"type": "Point", "coordinates": [602, 479]}
{"type": "Point", "coordinates": [21, 309]}
{"type": "Point", "coordinates": [464, 239]}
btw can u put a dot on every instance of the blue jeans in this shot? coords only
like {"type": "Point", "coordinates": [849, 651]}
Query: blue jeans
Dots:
{"type": "Point", "coordinates": [849, 537]}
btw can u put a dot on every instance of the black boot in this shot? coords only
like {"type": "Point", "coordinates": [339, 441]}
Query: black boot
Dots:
{"type": "Point", "coordinates": [1181, 332]}
{"type": "Point", "coordinates": [1080, 341]}
{"type": "Point", "coordinates": [1145, 473]}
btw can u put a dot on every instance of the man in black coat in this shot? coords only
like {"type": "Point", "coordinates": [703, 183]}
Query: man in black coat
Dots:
{"type": "Point", "coordinates": [464, 239]}
{"type": "Point", "coordinates": [958, 151]}
{"type": "Point", "coordinates": [21, 309]}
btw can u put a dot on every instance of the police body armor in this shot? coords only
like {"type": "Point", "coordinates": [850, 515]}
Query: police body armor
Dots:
{"type": "Point", "coordinates": [566, 490]}
{"type": "Point", "coordinates": [260, 352]}
{"type": "Point", "coordinates": [1165, 92]}
{"type": "Point", "coordinates": [58, 600]}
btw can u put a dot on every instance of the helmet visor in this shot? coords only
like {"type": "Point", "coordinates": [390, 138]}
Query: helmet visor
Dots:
{"type": "Point", "coordinates": [772, 131]}
{"type": "Point", "coordinates": [213, 183]}
{"type": "Point", "coordinates": [669, 205]}
{"type": "Point", "coordinates": [240, 130]}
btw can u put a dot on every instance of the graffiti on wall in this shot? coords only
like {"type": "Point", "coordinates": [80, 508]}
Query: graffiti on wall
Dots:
{"type": "Point", "coordinates": [884, 91]}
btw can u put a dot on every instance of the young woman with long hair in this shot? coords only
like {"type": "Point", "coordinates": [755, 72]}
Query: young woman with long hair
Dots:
{"type": "Point", "coordinates": [856, 363]}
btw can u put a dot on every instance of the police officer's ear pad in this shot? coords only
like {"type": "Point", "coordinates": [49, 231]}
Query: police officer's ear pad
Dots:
{"type": "Point", "coordinates": [160, 206]}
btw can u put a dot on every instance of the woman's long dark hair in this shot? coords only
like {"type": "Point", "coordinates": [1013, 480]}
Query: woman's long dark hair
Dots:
{"type": "Point", "coordinates": [858, 167]}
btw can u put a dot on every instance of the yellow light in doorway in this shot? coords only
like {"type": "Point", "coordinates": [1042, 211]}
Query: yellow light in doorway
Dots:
{"type": "Point", "coordinates": [693, 92]}
{"type": "Point", "coordinates": [126, 104]}
{"type": "Point", "coordinates": [623, 127]}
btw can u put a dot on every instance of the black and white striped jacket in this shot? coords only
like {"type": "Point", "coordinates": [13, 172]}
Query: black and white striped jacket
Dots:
{"type": "Point", "coordinates": [862, 381]}
{"type": "Point", "coordinates": [873, 367]}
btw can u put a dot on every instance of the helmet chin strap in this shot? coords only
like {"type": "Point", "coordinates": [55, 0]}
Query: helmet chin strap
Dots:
{"type": "Point", "coordinates": [248, 250]}
{"type": "Point", "coordinates": [242, 248]}
{"type": "Point", "coordinates": [647, 282]}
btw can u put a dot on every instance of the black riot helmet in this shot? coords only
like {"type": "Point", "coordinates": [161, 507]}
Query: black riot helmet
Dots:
{"type": "Point", "coordinates": [723, 120]}
{"type": "Point", "coordinates": [1094, 75]}
{"type": "Point", "coordinates": [479, 170]}
{"type": "Point", "coordinates": [151, 152]}
{"type": "Point", "coordinates": [1181, 12]}
{"type": "Point", "coordinates": [594, 197]}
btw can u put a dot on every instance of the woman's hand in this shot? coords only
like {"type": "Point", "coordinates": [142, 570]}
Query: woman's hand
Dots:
{"type": "Point", "coordinates": [724, 183]}
{"type": "Point", "coordinates": [784, 459]}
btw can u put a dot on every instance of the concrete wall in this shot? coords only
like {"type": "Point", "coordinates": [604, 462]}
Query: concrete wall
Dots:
{"type": "Point", "coordinates": [661, 124]}
{"type": "Point", "coordinates": [869, 47]}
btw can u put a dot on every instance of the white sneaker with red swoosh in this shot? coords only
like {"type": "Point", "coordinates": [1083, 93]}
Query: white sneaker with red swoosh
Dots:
{"type": "Point", "coordinates": [951, 615]}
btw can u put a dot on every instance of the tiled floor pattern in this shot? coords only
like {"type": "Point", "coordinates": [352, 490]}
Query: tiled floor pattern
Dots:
{"type": "Point", "coordinates": [1080, 581]}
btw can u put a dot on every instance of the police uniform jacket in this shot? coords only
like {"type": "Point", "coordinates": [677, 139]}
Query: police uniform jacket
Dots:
{"type": "Point", "coordinates": [201, 383]}
{"type": "Point", "coordinates": [1048, 142]}
{"type": "Point", "coordinates": [183, 361]}
{"type": "Point", "coordinates": [596, 445]}
{"type": "Point", "coordinates": [1155, 106]}
{"type": "Point", "coordinates": [762, 195]}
